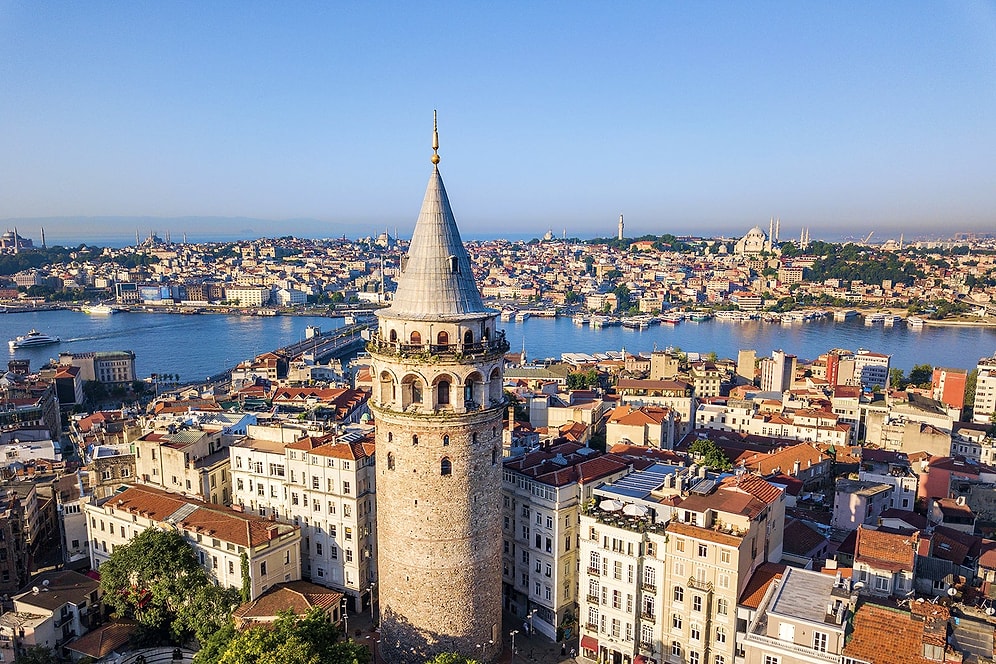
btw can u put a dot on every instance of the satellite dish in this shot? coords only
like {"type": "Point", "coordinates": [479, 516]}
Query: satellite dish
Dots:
{"type": "Point", "coordinates": [952, 592]}
{"type": "Point", "coordinates": [859, 585]}
{"type": "Point", "coordinates": [34, 589]}
{"type": "Point", "coordinates": [919, 600]}
{"type": "Point", "coordinates": [46, 582]}
{"type": "Point", "coordinates": [990, 610]}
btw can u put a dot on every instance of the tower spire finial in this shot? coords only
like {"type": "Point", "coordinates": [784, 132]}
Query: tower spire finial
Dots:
{"type": "Point", "coordinates": [435, 139]}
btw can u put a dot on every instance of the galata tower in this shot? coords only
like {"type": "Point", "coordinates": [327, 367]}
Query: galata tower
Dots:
{"type": "Point", "coordinates": [438, 403]}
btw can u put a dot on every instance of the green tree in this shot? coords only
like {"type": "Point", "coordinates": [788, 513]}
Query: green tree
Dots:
{"type": "Point", "coordinates": [151, 577]}
{"type": "Point", "coordinates": [708, 454]}
{"type": "Point", "coordinates": [581, 380]}
{"type": "Point", "coordinates": [451, 658]}
{"type": "Point", "coordinates": [37, 655]}
{"type": "Point", "coordinates": [207, 612]}
{"type": "Point", "coordinates": [94, 392]}
{"type": "Point", "coordinates": [246, 590]}
{"type": "Point", "coordinates": [897, 379]}
{"type": "Point", "coordinates": [970, 382]}
{"type": "Point", "coordinates": [921, 375]}
{"type": "Point", "coordinates": [291, 639]}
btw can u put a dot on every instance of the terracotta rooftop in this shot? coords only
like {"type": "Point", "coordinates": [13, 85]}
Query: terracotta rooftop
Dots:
{"type": "Point", "coordinates": [215, 521]}
{"type": "Point", "coordinates": [885, 550]}
{"type": "Point", "coordinates": [104, 640]}
{"type": "Point", "coordinates": [759, 581]}
{"type": "Point", "coordinates": [298, 597]}
{"type": "Point", "coordinates": [784, 459]}
{"type": "Point", "coordinates": [884, 635]}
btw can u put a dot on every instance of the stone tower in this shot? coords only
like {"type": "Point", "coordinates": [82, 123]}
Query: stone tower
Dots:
{"type": "Point", "coordinates": [438, 402]}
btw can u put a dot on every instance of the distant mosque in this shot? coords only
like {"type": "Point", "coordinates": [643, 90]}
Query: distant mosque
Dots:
{"type": "Point", "coordinates": [756, 241]}
{"type": "Point", "coordinates": [11, 242]}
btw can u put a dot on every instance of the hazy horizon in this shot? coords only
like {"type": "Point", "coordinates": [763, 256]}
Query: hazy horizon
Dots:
{"type": "Point", "coordinates": [689, 118]}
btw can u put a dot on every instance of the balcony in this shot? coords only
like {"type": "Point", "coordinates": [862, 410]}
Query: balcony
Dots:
{"type": "Point", "coordinates": [592, 627]}
{"type": "Point", "coordinates": [597, 571]}
{"type": "Point", "coordinates": [648, 587]}
{"type": "Point", "coordinates": [774, 645]}
{"type": "Point", "coordinates": [647, 615]}
{"type": "Point", "coordinates": [700, 585]}
{"type": "Point", "coordinates": [455, 352]}
{"type": "Point", "coordinates": [593, 599]}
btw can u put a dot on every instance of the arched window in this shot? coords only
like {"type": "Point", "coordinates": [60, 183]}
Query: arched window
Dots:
{"type": "Point", "coordinates": [414, 439]}
{"type": "Point", "coordinates": [468, 337]}
{"type": "Point", "coordinates": [393, 336]}
{"type": "Point", "coordinates": [443, 392]}
{"type": "Point", "coordinates": [446, 441]}
{"type": "Point", "coordinates": [473, 437]}
{"type": "Point", "coordinates": [442, 338]}
{"type": "Point", "coordinates": [390, 436]}
{"type": "Point", "coordinates": [416, 339]}
{"type": "Point", "coordinates": [494, 455]}
{"type": "Point", "coordinates": [445, 467]}
{"type": "Point", "coordinates": [390, 460]}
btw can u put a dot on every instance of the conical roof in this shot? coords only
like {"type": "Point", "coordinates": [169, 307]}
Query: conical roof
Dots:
{"type": "Point", "coordinates": [436, 280]}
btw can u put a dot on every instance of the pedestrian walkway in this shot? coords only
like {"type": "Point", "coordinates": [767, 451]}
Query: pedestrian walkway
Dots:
{"type": "Point", "coordinates": [529, 648]}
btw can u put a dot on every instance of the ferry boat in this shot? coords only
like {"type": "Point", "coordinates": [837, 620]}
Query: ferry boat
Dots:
{"type": "Point", "coordinates": [507, 315]}
{"type": "Point", "coordinates": [671, 319]}
{"type": "Point", "coordinates": [871, 319]}
{"type": "Point", "coordinates": [843, 314]}
{"type": "Point", "coordinates": [915, 322]}
{"type": "Point", "coordinates": [98, 309]}
{"type": "Point", "coordinates": [891, 320]}
{"type": "Point", "coordinates": [33, 338]}
{"type": "Point", "coordinates": [580, 319]}
{"type": "Point", "coordinates": [700, 316]}
{"type": "Point", "coordinates": [522, 316]}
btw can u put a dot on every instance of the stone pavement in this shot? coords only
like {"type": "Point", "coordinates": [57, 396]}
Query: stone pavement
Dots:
{"type": "Point", "coordinates": [529, 649]}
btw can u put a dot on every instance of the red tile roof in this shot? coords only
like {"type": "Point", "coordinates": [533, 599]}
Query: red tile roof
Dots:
{"type": "Point", "coordinates": [890, 636]}
{"type": "Point", "coordinates": [885, 550]}
{"type": "Point", "coordinates": [759, 581]}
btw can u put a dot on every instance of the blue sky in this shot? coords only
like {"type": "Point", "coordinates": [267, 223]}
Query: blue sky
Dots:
{"type": "Point", "coordinates": [315, 118]}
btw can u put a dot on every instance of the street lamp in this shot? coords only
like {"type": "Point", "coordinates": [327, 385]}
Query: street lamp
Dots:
{"type": "Point", "coordinates": [530, 617]}
{"type": "Point", "coordinates": [373, 585]}
{"type": "Point", "coordinates": [345, 617]}
{"type": "Point", "coordinates": [512, 634]}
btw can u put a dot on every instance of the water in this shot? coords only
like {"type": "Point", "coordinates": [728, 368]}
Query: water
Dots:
{"type": "Point", "coordinates": [192, 346]}
{"type": "Point", "coordinates": [938, 346]}
{"type": "Point", "coordinates": [198, 346]}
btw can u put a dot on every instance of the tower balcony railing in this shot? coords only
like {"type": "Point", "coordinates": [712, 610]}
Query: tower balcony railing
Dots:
{"type": "Point", "coordinates": [426, 351]}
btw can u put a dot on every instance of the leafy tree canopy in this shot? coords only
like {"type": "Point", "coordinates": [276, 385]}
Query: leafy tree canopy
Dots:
{"type": "Point", "coordinates": [37, 655]}
{"type": "Point", "coordinates": [707, 453]}
{"type": "Point", "coordinates": [451, 658]}
{"type": "Point", "coordinates": [292, 639]}
{"type": "Point", "coordinates": [152, 577]}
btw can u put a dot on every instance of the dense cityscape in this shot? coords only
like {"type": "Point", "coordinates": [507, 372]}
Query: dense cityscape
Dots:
{"type": "Point", "coordinates": [629, 508]}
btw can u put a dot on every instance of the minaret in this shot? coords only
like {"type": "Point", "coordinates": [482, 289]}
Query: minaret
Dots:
{"type": "Point", "coordinates": [438, 403]}
{"type": "Point", "coordinates": [620, 227]}
{"type": "Point", "coordinates": [43, 238]}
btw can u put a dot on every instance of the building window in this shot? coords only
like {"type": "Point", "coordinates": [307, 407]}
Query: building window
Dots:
{"type": "Point", "coordinates": [676, 648]}
{"type": "Point", "coordinates": [724, 556]}
{"type": "Point", "coordinates": [262, 568]}
{"type": "Point", "coordinates": [675, 621]}
{"type": "Point", "coordinates": [445, 467]}
{"type": "Point", "coordinates": [722, 607]}
{"type": "Point", "coordinates": [679, 544]}
{"type": "Point", "coordinates": [679, 594]}
{"type": "Point", "coordinates": [446, 441]}
{"type": "Point", "coordinates": [695, 632]}
{"type": "Point", "coordinates": [720, 635]}
{"type": "Point", "coordinates": [703, 550]}
{"type": "Point", "coordinates": [693, 657]}
{"type": "Point", "coordinates": [390, 460]}
{"type": "Point", "coordinates": [696, 602]}
{"type": "Point", "coordinates": [414, 439]}
{"type": "Point", "coordinates": [772, 659]}
{"type": "Point", "coordinates": [820, 641]}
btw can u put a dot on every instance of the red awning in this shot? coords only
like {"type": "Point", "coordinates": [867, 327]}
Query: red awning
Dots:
{"type": "Point", "coordinates": [639, 659]}
{"type": "Point", "coordinates": [589, 643]}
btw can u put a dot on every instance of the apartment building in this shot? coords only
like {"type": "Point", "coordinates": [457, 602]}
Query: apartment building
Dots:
{"type": "Point", "coordinates": [323, 484]}
{"type": "Point", "coordinates": [218, 535]}
{"type": "Point", "coordinates": [58, 607]}
{"type": "Point", "coordinates": [107, 367]}
{"type": "Point", "coordinates": [721, 536]}
{"type": "Point", "coordinates": [985, 391]}
{"type": "Point", "coordinates": [187, 459]}
{"type": "Point", "coordinates": [802, 619]}
{"type": "Point", "coordinates": [676, 395]}
{"type": "Point", "coordinates": [542, 492]}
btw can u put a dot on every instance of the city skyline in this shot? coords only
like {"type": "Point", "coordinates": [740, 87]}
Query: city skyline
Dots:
{"type": "Point", "coordinates": [260, 120]}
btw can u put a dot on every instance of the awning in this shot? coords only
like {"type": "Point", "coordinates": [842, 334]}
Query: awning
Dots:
{"type": "Point", "coordinates": [639, 659]}
{"type": "Point", "coordinates": [589, 643]}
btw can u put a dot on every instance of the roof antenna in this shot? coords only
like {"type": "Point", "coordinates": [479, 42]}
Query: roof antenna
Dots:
{"type": "Point", "coordinates": [435, 139]}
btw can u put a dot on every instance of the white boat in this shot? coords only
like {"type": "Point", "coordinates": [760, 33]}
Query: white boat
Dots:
{"type": "Point", "coordinates": [915, 322]}
{"type": "Point", "coordinates": [871, 319]}
{"type": "Point", "coordinates": [33, 338]}
{"type": "Point", "coordinates": [891, 320]}
{"type": "Point", "coordinates": [508, 315]}
{"type": "Point", "coordinates": [98, 309]}
{"type": "Point", "coordinates": [522, 316]}
{"type": "Point", "coordinates": [580, 319]}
